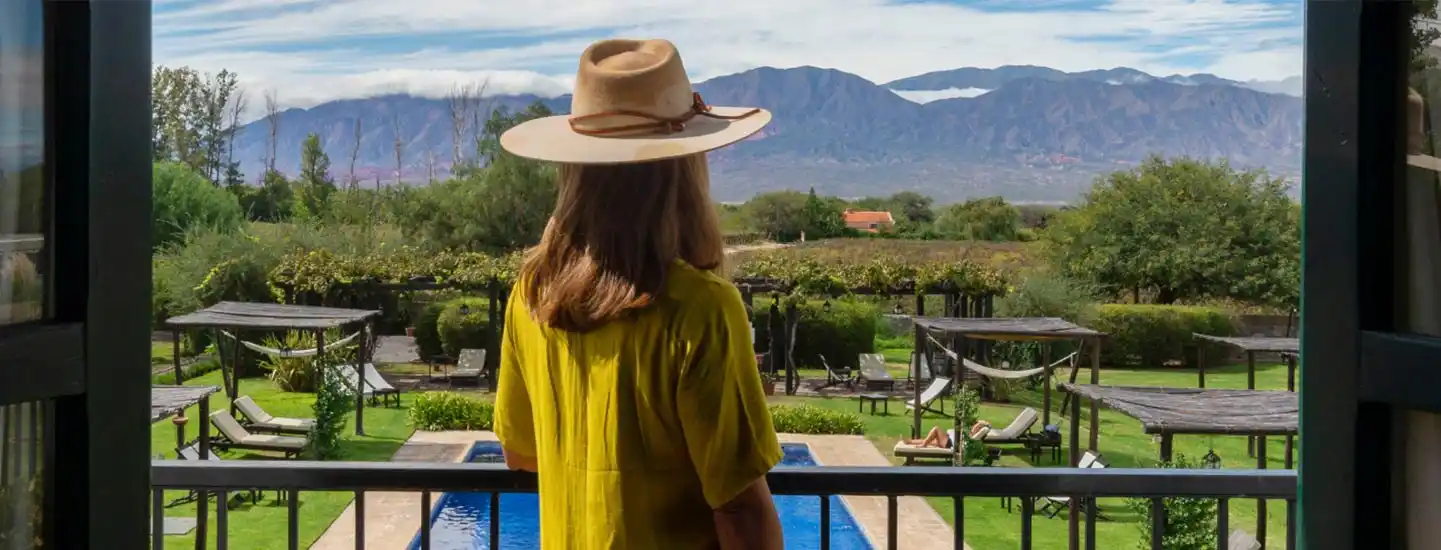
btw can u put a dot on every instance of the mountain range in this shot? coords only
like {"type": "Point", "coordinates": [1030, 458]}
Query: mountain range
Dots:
{"type": "Point", "coordinates": [1023, 132]}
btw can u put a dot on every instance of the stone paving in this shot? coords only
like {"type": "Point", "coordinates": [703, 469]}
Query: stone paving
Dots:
{"type": "Point", "coordinates": [391, 519]}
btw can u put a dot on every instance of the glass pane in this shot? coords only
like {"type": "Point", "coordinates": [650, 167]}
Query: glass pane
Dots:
{"type": "Point", "coordinates": [21, 456]}
{"type": "Point", "coordinates": [22, 154]}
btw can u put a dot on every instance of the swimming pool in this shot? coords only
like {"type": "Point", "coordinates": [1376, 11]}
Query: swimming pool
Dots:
{"type": "Point", "coordinates": [462, 520]}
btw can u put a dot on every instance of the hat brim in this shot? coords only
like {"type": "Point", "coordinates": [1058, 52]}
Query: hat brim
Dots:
{"type": "Point", "coordinates": [551, 139]}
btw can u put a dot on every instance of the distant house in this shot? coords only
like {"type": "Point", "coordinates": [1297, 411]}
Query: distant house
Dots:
{"type": "Point", "coordinates": [870, 221]}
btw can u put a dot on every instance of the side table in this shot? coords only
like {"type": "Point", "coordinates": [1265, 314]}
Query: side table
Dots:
{"type": "Point", "coordinates": [873, 398]}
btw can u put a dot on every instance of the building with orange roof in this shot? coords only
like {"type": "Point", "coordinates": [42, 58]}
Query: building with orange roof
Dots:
{"type": "Point", "coordinates": [868, 220]}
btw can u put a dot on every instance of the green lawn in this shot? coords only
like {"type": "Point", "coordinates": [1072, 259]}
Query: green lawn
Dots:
{"type": "Point", "coordinates": [263, 526]}
{"type": "Point", "coordinates": [990, 526]}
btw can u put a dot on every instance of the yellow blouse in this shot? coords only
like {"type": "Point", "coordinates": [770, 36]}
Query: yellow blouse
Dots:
{"type": "Point", "coordinates": [642, 427]}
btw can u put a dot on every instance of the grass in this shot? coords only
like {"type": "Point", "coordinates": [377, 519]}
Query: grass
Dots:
{"type": "Point", "coordinates": [263, 525]}
{"type": "Point", "coordinates": [989, 525]}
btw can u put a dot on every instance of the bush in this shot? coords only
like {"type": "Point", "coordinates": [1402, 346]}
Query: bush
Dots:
{"type": "Point", "coordinates": [841, 333]}
{"type": "Point", "coordinates": [427, 331]}
{"type": "Point", "coordinates": [436, 411]}
{"type": "Point", "coordinates": [810, 419]}
{"type": "Point", "coordinates": [298, 374]}
{"type": "Point", "coordinates": [184, 200]}
{"type": "Point", "coordinates": [469, 331]}
{"type": "Point", "coordinates": [333, 399]}
{"type": "Point", "coordinates": [1151, 335]}
{"type": "Point", "coordinates": [1190, 522]}
{"type": "Point", "coordinates": [198, 368]}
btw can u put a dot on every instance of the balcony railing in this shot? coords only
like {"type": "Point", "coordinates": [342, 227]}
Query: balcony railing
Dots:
{"type": "Point", "coordinates": [1026, 484]}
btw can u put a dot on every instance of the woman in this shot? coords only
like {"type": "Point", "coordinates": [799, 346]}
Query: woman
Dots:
{"type": "Point", "coordinates": [627, 377]}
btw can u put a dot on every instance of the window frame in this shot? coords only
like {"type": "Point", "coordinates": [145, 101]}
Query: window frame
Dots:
{"type": "Point", "coordinates": [88, 359]}
{"type": "Point", "coordinates": [1360, 374]}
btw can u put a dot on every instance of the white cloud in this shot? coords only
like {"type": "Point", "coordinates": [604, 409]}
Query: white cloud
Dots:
{"type": "Point", "coordinates": [927, 96]}
{"type": "Point", "coordinates": [349, 48]}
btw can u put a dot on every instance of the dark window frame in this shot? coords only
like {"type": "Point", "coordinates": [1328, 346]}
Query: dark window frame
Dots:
{"type": "Point", "coordinates": [88, 360]}
{"type": "Point", "coordinates": [1361, 375]}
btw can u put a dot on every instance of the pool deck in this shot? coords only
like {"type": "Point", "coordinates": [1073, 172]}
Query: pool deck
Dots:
{"type": "Point", "coordinates": [391, 519]}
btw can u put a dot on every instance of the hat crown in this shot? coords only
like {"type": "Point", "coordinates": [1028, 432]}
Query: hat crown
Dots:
{"type": "Point", "coordinates": [643, 76]}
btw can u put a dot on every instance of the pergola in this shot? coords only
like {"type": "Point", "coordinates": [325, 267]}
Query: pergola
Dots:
{"type": "Point", "coordinates": [1288, 347]}
{"type": "Point", "coordinates": [1168, 412]}
{"type": "Point", "coordinates": [1015, 329]}
{"type": "Point", "coordinates": [238, 317]}
{"type": "Point", "coordinates": [168, 401]}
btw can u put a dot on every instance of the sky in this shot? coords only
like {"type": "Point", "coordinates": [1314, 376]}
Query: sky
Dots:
{"type": "Point", "coordinates": [311, 51]}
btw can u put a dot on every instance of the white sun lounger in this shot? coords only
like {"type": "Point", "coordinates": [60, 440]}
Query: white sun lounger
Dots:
{"type": "Point", "coordinates": [931, 395]}
{"type": "Point", "coordinates": [913, 453]}
{"type": "Point", "coordinates": [469, 367]}
{"type": "Point", "coordinates": [261, 421]}
{"type": "Point", "coordinates": [235, 436]}
{"type": "Point", "coordinates": [1014, 433]}
{"type": "Point", "coordinates": [873, 371]}
{"type": "Point", "coordinates": [375, 386]}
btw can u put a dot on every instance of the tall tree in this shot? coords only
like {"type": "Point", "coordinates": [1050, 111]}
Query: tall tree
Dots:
{"type": "Point", "coordinates": [189, 123]}
{"type": "Point", "coordinates": [315, 186]}
{"type": "Point", "coordinates": [823, 218]}
{"type": "Point", "coordinates": [1184, 229]}
{"type": "Point", "coordinates": [272, 122]}
{"type": "Point", "coordinates": [236, 108]}
{"type": "Point", "coordinates": [399, 146]}
{"type": "Point", "coordinates": [352, 181]}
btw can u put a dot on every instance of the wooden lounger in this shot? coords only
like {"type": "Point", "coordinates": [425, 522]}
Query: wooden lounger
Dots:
{"type": "Point", "coordinates": [258, 420]}
{"type": "Point", "coordinates": [469, 367]}
{"type": "Point", "coordinates": [235, 436]}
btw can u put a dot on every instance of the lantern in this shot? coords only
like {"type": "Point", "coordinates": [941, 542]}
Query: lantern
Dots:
{"type": "Point", "coordinates": [1211, 461]}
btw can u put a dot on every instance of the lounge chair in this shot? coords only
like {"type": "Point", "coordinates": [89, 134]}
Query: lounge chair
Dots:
{"type": "Point", "coordinates": [1016, 432]}
{"type": "Point", "coordinates": [1053, 505]}
{"type": "Point", "coordinates": [837, 377]}
{"type": "Point", "coordinates": [192, 452]}
{"type": "Point", "coordinates": [234, 436]}
{"type": "Point", "coordinates": [932, 395]}
{"type": "Point", "coordinates": [373, 386]}
{"type": "Point", "coordinates": [469, 367]}
{"type": "Point", "coordinates": [257, 420]}
{"type": "Point", "coordinates": [912, 453]}
{"type": "Point", "coordinates": [873, 371]}
{"type": "Point", "coordinates": [1241, 540]}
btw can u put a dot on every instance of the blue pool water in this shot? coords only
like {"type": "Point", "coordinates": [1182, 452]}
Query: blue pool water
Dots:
{"type": "Point", "coordinates": [461, 521]}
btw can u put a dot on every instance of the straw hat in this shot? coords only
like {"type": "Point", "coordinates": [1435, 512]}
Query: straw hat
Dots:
{"type": "Point", "coordinates": [633, 103]}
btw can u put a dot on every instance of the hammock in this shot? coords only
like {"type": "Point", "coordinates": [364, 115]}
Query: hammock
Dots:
{"type": "Point", "coordinates": [992, 372]}
{"type": "Point", "coordinates": [273, 352]}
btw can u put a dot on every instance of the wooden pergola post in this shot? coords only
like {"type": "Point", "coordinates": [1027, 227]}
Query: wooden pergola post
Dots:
{"type": "Point", "coordinates": [175, 347]}
{"type": "Point", "coordinates": [1095, 380]}
{"type": "Point", "coordinates": [1046, 384]}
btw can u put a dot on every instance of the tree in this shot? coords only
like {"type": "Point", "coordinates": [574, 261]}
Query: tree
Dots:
{"type": "Point", "coordinates": [988, 219]}
{"type": "Point", "coordinates": [1183, 229]}
{"type": "Point", "coordinates": [190, 121]}
{"type": "Point", "coordinates": [1424, 32]}
{"type": "Point", "coordinates": [232, 175]}
{"type": "Point", "coordinates": [823, 219]}
{"type": "Point", "coordinates": [352, 182]}
{"type": "Point", "coordinates": [912, 207]}
{"type": "Point", "coordinates": [182, 200]}
{"type": "Point", "coordinates": [315, 186]}
{"type": "Point", "coordinates": [272, 201]}
{"type": "Point", "coordinates": [272, 123]}
{"type": "Point", "coordinates": [779, 214]}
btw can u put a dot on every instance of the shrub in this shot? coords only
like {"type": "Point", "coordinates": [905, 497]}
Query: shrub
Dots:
{"type": "Point", "coordinates": [1190, 522]}
{"type": "Point", "coordinates": [810, 419]}
{"type": "Point", "coordinates": [1151, 335]}
{"type": "Point", "coordinates": [435, 411]}
{"type": "Point", "coordinates": [298, 374]}
{"type": "Point", "coordinates": [198, 368]}
{"type": "Point", "coordinates": [968, 410]}
{"type": "Point", "coordinates": [333, 399]}
{"type": "Point", "coordinates": [427, 330]}
{"type": "Point", "coordinates": [183, 200]}
{"type": "Point", "coordinates": [21, 505]}
{"type": "Point", "coordinates": [465, 331]}
{"type": "Point", "coordinates": [841, 332]}
{"type": "Point", "coordinates": [1044, 295]}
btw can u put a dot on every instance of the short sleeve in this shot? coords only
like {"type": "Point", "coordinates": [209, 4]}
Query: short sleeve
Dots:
{"type": "Point", "coordinates": [723, 413]}
{"type": "Point", "coordinates": [514, 421]}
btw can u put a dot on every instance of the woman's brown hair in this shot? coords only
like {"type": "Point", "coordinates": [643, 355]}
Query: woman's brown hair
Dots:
{"type": "Point", "coordinates": [614, 235]}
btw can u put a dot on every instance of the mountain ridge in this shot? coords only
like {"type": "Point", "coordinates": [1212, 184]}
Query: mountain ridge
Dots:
{"type": "Point", "coordinates": [1034, 136]}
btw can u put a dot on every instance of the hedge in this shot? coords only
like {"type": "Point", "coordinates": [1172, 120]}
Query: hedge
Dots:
{"type": "Point", "coordinates": [1152, 335]}
{"type": "Point", "coordinates": [436, 411]}
{"type": "Point", "coordinates": [469, 331]}
{"type": "Point", "coordinates": [810, 419]}
{"type": "Point", "coordinates": [841, 332]}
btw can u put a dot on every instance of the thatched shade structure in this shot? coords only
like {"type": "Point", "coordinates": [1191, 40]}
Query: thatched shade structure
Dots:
{"type": "Point", "coordinates": [241, 316]}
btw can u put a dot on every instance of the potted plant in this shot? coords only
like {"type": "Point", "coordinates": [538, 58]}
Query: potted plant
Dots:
{"type": "Point", "coordinates": [768, 381]}
{"type": "Point", "coordinates": [410, 332]}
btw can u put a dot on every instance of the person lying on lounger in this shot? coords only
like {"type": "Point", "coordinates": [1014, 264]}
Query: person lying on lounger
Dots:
{"type": "Point", "coordinates": [941, 438]}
